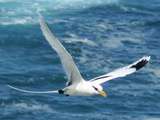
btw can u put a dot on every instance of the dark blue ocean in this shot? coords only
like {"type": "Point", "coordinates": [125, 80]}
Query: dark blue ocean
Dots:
{"type": "Point", "coordinates": [101, 35]}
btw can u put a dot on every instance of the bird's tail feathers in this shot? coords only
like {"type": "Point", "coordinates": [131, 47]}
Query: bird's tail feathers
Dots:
{"type": "Point", "coordinates": [33, 92]}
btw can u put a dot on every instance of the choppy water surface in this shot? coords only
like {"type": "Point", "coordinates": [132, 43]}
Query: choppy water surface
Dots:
{"type": "Point", "coordinates": [101, 36]}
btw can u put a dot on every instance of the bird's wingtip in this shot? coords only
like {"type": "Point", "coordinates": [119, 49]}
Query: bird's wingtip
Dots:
{"type": "Point", "coordinates": [141, 62]}
{"type": "Point", "coordinates": [147, 58]}
{"type": "Point", "coordinates": [40, 17]}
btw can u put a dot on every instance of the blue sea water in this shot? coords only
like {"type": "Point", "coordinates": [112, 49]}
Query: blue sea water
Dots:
{"type": "Point", "coordinates": [101, 35]}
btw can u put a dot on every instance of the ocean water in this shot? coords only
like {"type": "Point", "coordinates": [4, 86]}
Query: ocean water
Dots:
{"type": "Point", "coordinates": [101, 35]}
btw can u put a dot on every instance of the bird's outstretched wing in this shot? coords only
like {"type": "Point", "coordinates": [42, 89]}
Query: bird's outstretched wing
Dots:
{"type": "Point", "coordinates": [70, 67]}
{"type": "Point", "coordinates": [121, 72]}
{"type": "Point", "coordinates": [35, 92]}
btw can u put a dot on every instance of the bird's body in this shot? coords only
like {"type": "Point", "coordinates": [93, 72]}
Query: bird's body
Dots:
{"type": "Point", "coordinates": [81, 89]}
{"type": "Point", "coordinates": [76, 85]}
{"type": "Point", "coordinates": [84, 88]}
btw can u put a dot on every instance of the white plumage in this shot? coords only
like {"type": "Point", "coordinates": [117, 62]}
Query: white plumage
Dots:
{"type": "Point", "coordinates": [76, 85]}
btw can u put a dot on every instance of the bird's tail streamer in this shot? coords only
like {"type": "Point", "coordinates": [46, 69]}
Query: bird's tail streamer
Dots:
{"type": "Point", "coordinates": [33, 92]}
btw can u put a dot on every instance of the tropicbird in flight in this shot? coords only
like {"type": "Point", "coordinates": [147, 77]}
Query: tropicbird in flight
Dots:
{"type": "Point", "coordinates": [76, 85]}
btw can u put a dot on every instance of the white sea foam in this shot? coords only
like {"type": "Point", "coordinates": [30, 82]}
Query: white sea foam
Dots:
{"type": "Point", "coordinates": [155, 71]}
{"type": "Point", "coordinates": [18, 9]}
{"type": "Point", "coordinates": [28, 107]}
{"type": "Point", "coordinates": [133, 9]}
{"type": "Point", "coordinates": [104, 26]}
{"type": "Point", "coordinates": [152, 119]}
{"type": "Point", "coordinates": [75, 38]}
{"type": "Point", "coordinates": [89, 58]}
{"type": "Point", "coordinates": [115, 41]}
{"type": "Point", "coordinates": [5, 1]}
{"type": "Point", "coordinates": [81, 3]}
{"type": "Point", "coordinates": [33, 107]}
{"type": "Point", "coordinates": [14, 21]}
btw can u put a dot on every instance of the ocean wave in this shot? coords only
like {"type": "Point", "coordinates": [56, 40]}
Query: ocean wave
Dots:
{"type": "Point", "coordinates": [22, 106]}
{"type": "Point", "coordinates": [5, 1]}
{"type": "Point", "coordinates": [29, 6]}
{"type": "Point", "coordinates": [15, 21]}
{"type": "Point", "coordinates": [117, 41]}
{"type": "Point", "coordinates": [155, 71]}
{"type": "Point", "coordinates": [17, 12]}
{"type": "Point", "coordinates": [150, 118]}
{"type": "Point", "coordinates": [74, 38]}
{"type": "Point", "coordinates": [82, 3]}
{"type": "Point", "coordinates": [135, 9]}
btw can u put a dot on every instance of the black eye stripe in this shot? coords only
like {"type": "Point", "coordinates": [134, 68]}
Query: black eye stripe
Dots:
{"type": "Point", "coordinates": [95, 88]}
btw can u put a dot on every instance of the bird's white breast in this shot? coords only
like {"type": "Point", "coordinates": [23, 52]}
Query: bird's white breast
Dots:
{"type": "Point", "coordinates": [81, 89]}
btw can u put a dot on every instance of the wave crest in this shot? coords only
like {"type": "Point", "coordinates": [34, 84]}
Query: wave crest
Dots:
{"type": "Point", "coordinates": [28, 107]}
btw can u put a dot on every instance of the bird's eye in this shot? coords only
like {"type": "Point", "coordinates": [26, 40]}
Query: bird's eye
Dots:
{"type": "Point", "coordinates": [95, 88]}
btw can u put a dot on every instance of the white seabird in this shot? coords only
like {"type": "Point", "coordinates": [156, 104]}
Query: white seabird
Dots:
{"type": "Point", "coordinates": [76, 85]}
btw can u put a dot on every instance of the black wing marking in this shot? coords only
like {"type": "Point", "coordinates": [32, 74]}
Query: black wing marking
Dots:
{"type": "Point", "coordinates": [122, 72]}
{"type": "Point", "coordinates": [140, 64]}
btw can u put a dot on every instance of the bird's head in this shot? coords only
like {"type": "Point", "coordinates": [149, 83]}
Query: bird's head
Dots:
{"type": "Point", "coordinates": [99, 90]}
